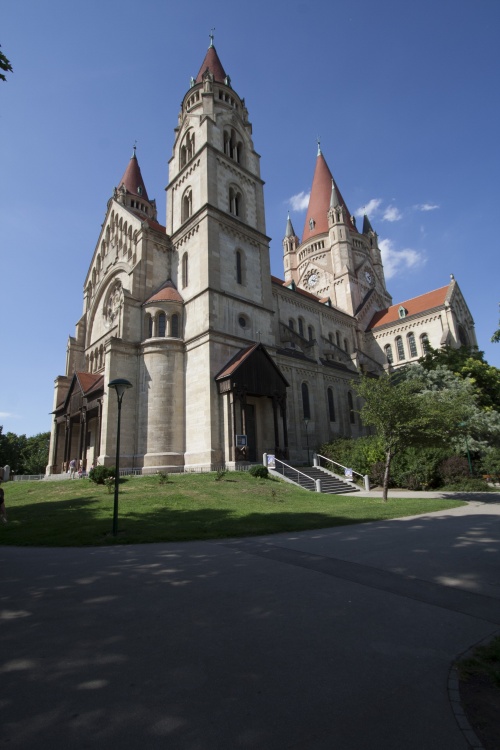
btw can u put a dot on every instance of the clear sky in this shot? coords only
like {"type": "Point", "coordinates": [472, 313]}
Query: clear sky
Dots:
{"type": "Point", "coordinates": [403, 95]}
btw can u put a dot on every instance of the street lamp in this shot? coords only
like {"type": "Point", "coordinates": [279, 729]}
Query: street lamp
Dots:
{"type": "Point", "coordinates": [306, 422]}
{"type": "Point", "coordinates": [120, 386]}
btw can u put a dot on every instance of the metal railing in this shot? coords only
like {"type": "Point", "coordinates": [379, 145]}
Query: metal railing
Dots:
{"type": "Point", "coordinates": [364, 477]}
{"type": "Point", "coordinates": [295, 471]}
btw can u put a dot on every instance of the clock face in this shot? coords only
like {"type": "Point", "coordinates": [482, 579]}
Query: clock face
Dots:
{"type": "Point", "coordinates": [313, 279]}
{"type": "Point", "coordinates": [368, 277]}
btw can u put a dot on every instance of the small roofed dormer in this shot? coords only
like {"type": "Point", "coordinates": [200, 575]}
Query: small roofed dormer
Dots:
{"type": "Point", "coordinates": [131, 191]}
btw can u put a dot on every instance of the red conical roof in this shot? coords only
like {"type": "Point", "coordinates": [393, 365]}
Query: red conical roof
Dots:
{"type": "Point", "coordinates": [213, 64]}
{"type": "Point", "coordinates": [319, 201]}
{"type": "Point", "coordinates": [132, 179]}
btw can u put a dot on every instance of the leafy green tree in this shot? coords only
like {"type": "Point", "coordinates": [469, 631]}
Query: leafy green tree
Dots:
{"type": "Point", "coordinates": [468, 363]}
{"type": "Point", "coordinates": [4, 65]}
{"type": "Point", "coordinates": [11, 449]}
{"type": "Point", "coordinates": [404, 412]}
{"type": "Point", "coordinates": [35, 455]}
{"type": "Point", "coordinates": [496, 336]}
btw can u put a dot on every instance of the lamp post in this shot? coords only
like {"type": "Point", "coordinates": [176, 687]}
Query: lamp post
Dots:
{"type": "Point", "coordinates": [120, 386]}
{"type": "Point", "coordinates": [306, 422]}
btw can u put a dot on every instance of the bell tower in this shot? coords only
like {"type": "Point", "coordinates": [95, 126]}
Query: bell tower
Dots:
{"type": "Point", "coordinates": [216, 222]}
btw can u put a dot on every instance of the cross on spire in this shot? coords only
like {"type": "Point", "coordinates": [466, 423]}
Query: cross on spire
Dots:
{"type": "Point", "coordinates": [211, 36]}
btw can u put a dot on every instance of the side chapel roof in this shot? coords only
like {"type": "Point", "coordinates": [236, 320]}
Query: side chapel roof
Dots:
{"type": "Point", "coordinates": [415, 306]}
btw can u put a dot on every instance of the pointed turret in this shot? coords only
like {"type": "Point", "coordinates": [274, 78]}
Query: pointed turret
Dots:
{"type": "Point", "coordinates": [367, 227]}
{"type": "Point", "coordinates": [132, 178]}
{"type": "Point", "coordinates": [213, 65]}
{"type": "Point", "coordinates": [334, 197]}
{"type": "Point", "coordinates": [290, 245]}
{"type": "Point", "coordinates": [323, 190]}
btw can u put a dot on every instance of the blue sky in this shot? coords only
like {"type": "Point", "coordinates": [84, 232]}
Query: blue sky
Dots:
{"type": "Point", "coordinates": [404, 97]}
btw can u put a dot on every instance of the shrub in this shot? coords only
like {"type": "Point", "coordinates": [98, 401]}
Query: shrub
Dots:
{"type": "Point", "coordinates": [100, 473]}
{"type": "Point", "coordinates": [259, 471]}
{"type": "Point", "coordinates": [162, 477]}
{"type": "Point", "coordinates": [221, 473]}
{"type": "Point", "coordinates": [468, 484]}
{"type": "Point", "coordinates": [454, 469]}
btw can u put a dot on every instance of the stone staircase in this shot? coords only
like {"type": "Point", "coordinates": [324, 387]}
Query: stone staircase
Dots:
{"type": "Point", "coordinates": [330, 484]}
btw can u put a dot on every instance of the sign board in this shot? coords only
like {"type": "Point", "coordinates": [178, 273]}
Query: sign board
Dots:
{"type": "Point", "coordinates": [241, 441]}
{"type": "Point", "coordinates": [348, 473]}
{"type": "Point", "coordinates": [271, 461]}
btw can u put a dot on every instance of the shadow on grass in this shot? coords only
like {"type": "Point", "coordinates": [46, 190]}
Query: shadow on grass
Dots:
{"type": "Point", "coordinates": [87, 521]}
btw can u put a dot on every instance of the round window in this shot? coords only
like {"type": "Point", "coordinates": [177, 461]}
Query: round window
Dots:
{"type": "Point", "coordinates": [242, 321]}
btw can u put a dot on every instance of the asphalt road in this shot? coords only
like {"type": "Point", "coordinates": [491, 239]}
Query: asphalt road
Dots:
{"type": "Point", "coordinates": [339, 638]}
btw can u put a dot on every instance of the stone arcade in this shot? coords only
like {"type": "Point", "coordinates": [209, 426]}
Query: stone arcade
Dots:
{"type": "Point", "coordinates": [215, 347]}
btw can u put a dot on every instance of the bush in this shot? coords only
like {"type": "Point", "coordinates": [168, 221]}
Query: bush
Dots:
{"type": "Point", "coordinates": [99, 474]}
{"type": "Point", "coordinates": [221, 473]}
{"type": "Point", "coordinates": [360, 454]}
{"type": "Point", "coordinates": [259, 471]}
{"type": "Point", "coordinates": [468, 484]}
{"type": "Point", "coordinates": [454, 469]}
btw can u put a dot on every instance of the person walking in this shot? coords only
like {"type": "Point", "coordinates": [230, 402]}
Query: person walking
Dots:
{"type": "Point", "coordinates": [3, 511]}
{"type": "Point", "coordinates": [72, 468]}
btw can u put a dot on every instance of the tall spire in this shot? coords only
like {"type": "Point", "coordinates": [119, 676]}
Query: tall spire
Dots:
{"type": "Point", "coordinates": [212, 64]}
{"type": "Point", "coordinates": [290, 231]}
{"type": "Point", "coordinates": [132, 178]}
{"type": "Point", "coordinates": [320, 200]}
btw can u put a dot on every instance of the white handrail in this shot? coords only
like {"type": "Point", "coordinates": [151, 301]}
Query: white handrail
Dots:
{"type": "Point", "coordinates": [364, 477]}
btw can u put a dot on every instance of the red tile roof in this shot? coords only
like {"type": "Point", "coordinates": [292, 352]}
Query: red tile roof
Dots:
{"type": "Point", "coordinates": [297, 289]}
{"type": "Point", "coordinates": [319, 201]}
{"type": "Point", "coordinates": [88, 380]}
{"type": "Point", "coordinates": [415, 306]}
{"type": "Point", "coordinates": [132, 179]}
{"type": "Point", "coordinates": [213, 64]}
{"type": "Point", "coordinates": [168, 293]}
{"type": "Point", "coordinates": [236, 361]}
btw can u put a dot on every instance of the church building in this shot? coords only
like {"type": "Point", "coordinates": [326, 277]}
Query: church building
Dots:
{"type": "Point", "coordinates": [226, 361]}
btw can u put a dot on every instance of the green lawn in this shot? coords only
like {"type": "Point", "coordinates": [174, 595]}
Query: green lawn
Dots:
{"type": "Point", "coordinates": [188, 506]}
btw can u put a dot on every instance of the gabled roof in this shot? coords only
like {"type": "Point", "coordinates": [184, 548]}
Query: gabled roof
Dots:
{"type": "Point", "coordinates": [309, 295]}
{"type": "Point", "coordinates": [320, 201]}
{"type": "Point", "coordinates": [213, 64]}
{"type": "Point", "coordinates": [254, 369]}
{"type": "Point", "coordinates": [415, 306]}
{"type": "Point", "coordinates": [88, 381]}
{"type": "Point", "coordinates": [167, 293]}
{"type": "Point", "coordinates": [132, 179]}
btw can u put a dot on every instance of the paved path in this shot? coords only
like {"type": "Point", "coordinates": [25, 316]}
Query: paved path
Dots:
{"type": "Point", "coordinates": [338, 638]}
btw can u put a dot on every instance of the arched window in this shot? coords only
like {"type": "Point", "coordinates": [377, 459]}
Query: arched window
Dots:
{"type": "Point", "coordinates": [239, 271]}
{"type": "Point", "coordinates": [331, 405]}
{"type": "Point", "coordinates": [462, 336]}
{"type": "Point", "coordinates": [310, 333]}
{"type": "Point", "coordinates": [235, 204]}
{"type": "Point", "coordinates": [400, 348]}
{"type": "Point", "coordinates": [174, 327]}
{"type": "Point", "coordinates": [330, 337]}
{"type": "Point", "coordinates": [187, 148]}
{"type": "Point", "coordinates": [305, 402]}
{"type": "Point", "coordinates": [185, 270]}
{"type": "Point", "coordinates": [412, 344]}
{"type": "Point", "coordinates": [187, 204]}
{"type": "Point", "coordinates": [291, 324]}
{"type": "Point", "coordinates": [161, 324]}
{"type": "Point", "coordinates": [149, 326]}
{"type": "Point", "coordinates": [424, 343]}
{"type": "Point", "coordinates": [350, 403]}
{"type": "Point", "coordinates": [346, 346]}
{"type": "Point", "coordinates": [337, 337]}
{"type": "Point", "coordinates": [388, 353]}
{"type": "Point", "coordinates": [233, 146]}
{"type": "Point", "coordinates": [301, 326]}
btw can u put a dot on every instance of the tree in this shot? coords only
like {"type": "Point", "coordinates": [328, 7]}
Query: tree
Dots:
{"type": "Point", "coordinates": [404, 412]}
{"type": "Point", "coordinates": [35, 455]}
{"type": "Point", "coordinates": [496, 336]}
{"type": "Point", "coordinates": [468, 363]}
{"type": "Point", "coordinates": [4, 65]}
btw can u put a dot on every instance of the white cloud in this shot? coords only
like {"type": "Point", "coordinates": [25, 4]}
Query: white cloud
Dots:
{"type": "Point", "coordinates": [299, 202]}
{"type": "Point", "coordinates": [370, 209]}
{"type": "Point", "coordinates": [399, 261]}
{"type": "Point", "coordinates": [8, 415]}
{"type": "Point", "coordinates": [391, 213]}
{"type": "Point", "coordinates": [426, 207]}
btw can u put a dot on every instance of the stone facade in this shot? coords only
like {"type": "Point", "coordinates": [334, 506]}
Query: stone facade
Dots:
{"type": "Point", "coordinates": [226, 361]}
